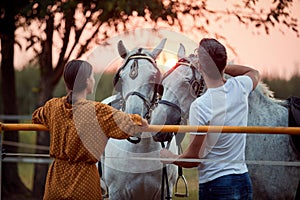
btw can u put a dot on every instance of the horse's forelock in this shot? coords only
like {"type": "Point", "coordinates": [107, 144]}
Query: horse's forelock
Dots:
{"type": "Point", "coordinates": [140, 50]}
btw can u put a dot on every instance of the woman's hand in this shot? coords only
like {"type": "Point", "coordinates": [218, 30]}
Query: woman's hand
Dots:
{"type": "Point", "coordinates": [144, 123]}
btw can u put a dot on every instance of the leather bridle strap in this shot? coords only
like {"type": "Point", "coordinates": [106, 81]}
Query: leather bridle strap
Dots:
{"type": "Point", "coordinates": [136, 140]}
{"type": "Point", "coordinates": [173, 105]}
{"type": "Point", "coordinates": [165, 178]}
{"type": "Point", "coordinates": [143, 97]}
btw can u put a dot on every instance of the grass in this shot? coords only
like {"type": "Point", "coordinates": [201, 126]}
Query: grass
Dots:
{"type": "Point", "coordinates": [191, 176]}
{"type": "Point", "coordinates": [26, 170]}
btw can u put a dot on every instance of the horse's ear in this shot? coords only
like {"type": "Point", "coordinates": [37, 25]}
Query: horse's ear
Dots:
{"type": "Point", "coordinates": [122, 49]}
{"type": "Point", "coordinates": [159, 48]}
{"type": "Point", "coordinates": [181, 52]}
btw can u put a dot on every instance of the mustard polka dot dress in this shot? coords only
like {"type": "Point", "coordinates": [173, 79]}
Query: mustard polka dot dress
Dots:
{"type": "Point", "coordinates": [78, 135]}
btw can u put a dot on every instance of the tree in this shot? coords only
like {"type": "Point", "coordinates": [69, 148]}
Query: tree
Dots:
{"type": "Point", "coordinates": [68, 29]}
{"type": "Point", "coordinates": [9, 9]}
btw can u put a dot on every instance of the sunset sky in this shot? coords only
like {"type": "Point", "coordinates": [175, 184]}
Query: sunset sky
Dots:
{"type": "Point", "coordinates": [276, 54]}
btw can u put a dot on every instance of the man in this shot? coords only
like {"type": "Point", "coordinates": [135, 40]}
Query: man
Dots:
{"type": "Point", "coordinates": [224, 103]}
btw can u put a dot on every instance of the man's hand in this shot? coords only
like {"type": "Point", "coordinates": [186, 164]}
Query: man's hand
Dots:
{"type": "Point", "coordinates": [165, 153]}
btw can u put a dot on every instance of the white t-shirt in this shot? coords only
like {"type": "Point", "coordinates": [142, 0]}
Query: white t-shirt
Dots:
{"type": "Point", "coordinates": [226, 105]}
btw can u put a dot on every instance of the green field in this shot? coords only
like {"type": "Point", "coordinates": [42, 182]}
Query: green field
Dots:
{"type": "Point", "coordinates": [26, 169]}
{"type": "Point", "coordinates": [191, 176]}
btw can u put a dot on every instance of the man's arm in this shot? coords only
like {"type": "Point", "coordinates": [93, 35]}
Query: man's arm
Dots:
{"type": "Point", "coordinates": [193, 151]}
{"type": "Point", "coordinates": [237, 70]}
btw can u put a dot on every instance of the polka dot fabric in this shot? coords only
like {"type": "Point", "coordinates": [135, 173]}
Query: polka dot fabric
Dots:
{"type": "Point", "coordinates": [78, 135]}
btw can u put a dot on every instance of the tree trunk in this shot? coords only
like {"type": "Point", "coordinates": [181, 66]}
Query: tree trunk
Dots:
{"type": "Point", "coordinates": [11, 182]}
{"type": "Point", "coordinates": [46, 92]}
{"type": "Point", "coordinates": [43, 138]}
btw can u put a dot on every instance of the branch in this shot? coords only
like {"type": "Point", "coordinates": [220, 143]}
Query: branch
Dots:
{"type": "Point", "coordinates": [69, 23]}
{"type": "Point", "coordinates": [84, 48]}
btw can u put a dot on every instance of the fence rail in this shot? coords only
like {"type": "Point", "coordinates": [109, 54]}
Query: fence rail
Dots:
{"type": "Point", "coordinates": [15, 117]}
{"type": "Point", "coordinates": [178, 129]}
{"type": "Point", "coordinates": [157, 128]}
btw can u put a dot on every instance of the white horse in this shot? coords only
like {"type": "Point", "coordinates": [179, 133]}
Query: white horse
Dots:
{"type": "Point", "coordinates": [269, 182]}
{"type": "Point", "coordinates": [173, 108]}
{"type": "Point", "coordinates": [127, 172]}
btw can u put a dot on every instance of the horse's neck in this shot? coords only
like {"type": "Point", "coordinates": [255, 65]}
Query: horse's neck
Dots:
{"type": "Point", "coordinates": [264, 110]}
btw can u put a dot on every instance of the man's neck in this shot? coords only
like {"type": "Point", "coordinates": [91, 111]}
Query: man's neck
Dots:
{"type": "Point", "coordinates": [214, 83]}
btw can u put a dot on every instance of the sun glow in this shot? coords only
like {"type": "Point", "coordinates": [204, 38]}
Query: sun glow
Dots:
{"type": "Point", "coordinates": [171, 62]}
{"type": "Point", "coordinates": [168, 64]}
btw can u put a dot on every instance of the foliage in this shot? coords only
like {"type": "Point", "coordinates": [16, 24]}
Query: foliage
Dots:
{"type": "Point", "coordinates": [104, 88]}
{"type": "Point", "coordinates": [27, 83]}
{"type": "Point", "coordinates": [283, 88]}
{"type": "Point", "coordinates": [78, 25]}
{"type": "Point", "coordinates": [28, 80]}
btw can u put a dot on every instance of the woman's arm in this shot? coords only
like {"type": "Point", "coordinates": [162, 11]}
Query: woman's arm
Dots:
{"type": "Point", "coordinates": [118, 124]}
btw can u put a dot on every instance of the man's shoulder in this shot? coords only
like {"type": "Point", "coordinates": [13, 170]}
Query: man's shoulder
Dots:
{"type": "Point", "coordinates": [244, 81]}
{"type": "Point", "coordinates": [241, 78]}
{"type": "Point", "coordinates": [201, 101]}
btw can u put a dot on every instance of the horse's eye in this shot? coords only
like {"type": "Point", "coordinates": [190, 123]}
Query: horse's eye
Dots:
{"type": "Point", "coordinates": [187, 79]}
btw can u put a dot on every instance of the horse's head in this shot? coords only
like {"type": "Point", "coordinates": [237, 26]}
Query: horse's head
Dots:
{"type": "Point", "coordinates": [137, 78]}
{"type": "Point", "coordinates": [181, 86]}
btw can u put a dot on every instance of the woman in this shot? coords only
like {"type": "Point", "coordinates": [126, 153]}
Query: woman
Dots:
{"type": "Point", "coordinates": [79, 130]}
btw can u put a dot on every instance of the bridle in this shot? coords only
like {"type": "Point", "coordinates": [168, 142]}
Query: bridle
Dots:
{"type": "Point", "coordinates": [196, 86]}
{"type": "Point", "coordinates": [134, 67]}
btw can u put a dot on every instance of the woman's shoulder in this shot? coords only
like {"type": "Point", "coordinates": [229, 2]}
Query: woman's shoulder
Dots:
{"type": "Point", "coordinates": [57, 99]}
{"type": "Point", "coordinates": [100, 105]}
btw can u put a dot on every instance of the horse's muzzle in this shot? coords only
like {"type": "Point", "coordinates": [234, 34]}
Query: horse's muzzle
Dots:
{"type": "Point", "coordinates": [163, 136]}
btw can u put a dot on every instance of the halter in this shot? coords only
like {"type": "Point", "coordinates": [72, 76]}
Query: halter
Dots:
{"type": "Point", "coordinates": [149, 103]}
{"type": "Point", "coordinates": [197, 87]}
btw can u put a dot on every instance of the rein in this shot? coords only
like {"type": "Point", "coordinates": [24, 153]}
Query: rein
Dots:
{"type": "Point", "coordinates": [171, 104]}
{"type": "Point", "coordinates": [165, 178]}
{"type": "Point", "coordinates": [196, 87]}
{"type": "Point", "coordinates": [143, 97]}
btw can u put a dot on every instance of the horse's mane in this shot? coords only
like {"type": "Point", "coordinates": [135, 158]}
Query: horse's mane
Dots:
{"type": "Point", "coordinates": [264, 89]}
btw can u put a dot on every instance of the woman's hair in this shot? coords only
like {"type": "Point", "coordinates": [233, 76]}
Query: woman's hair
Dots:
{"type": "Point", "coordinates": [215, 50]}
{"type": "Point", "coordinates": [76, 73]}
